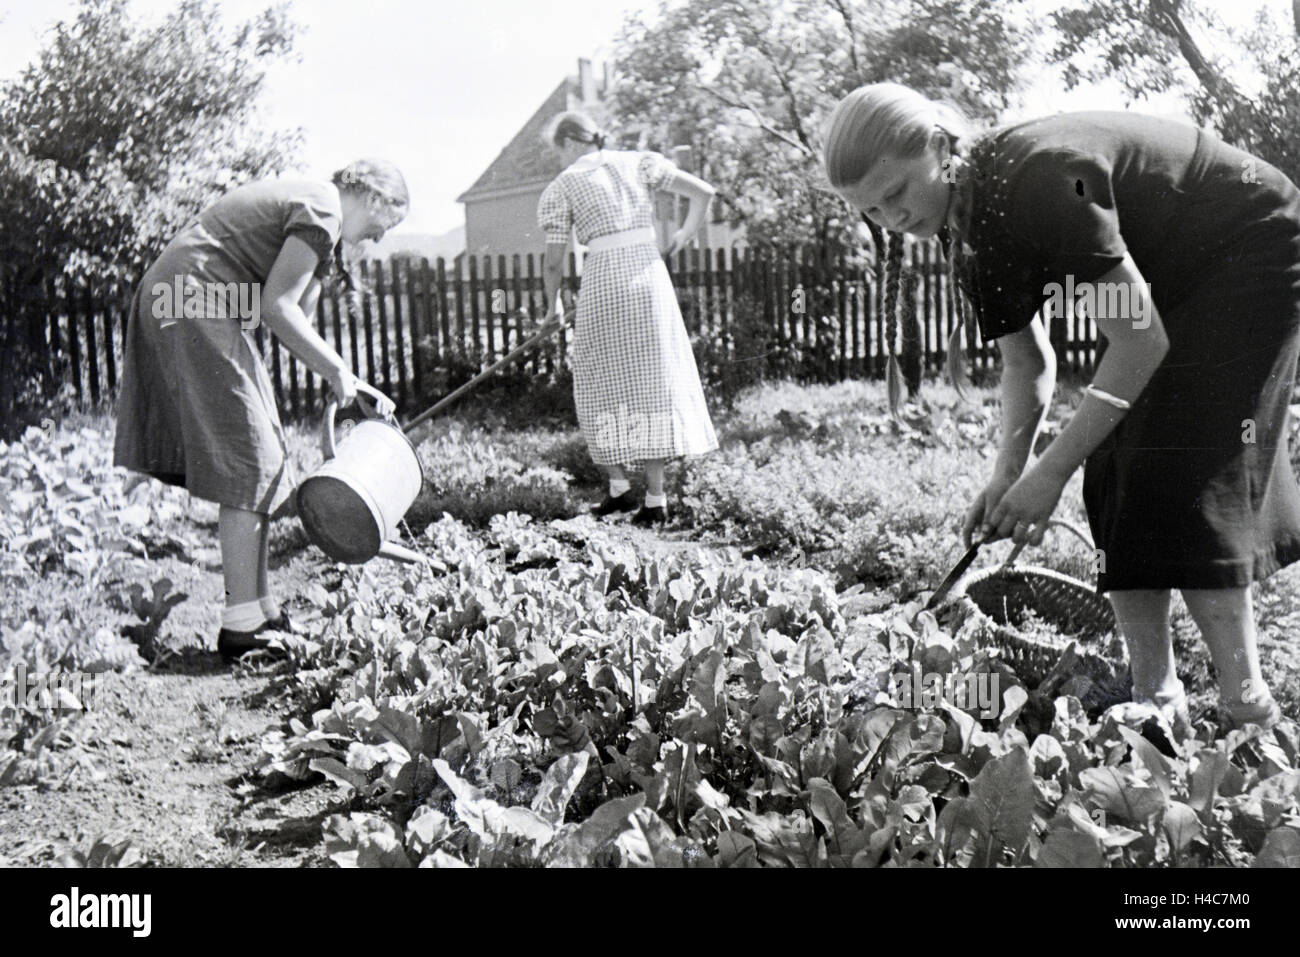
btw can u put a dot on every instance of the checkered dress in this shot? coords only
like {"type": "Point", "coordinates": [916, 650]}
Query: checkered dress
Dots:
{"type": "Point", "coordinates": [634, 377]}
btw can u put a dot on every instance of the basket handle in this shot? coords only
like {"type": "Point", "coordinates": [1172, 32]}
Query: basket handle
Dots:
{"type": "Point", "coordinates": [1057, 522]}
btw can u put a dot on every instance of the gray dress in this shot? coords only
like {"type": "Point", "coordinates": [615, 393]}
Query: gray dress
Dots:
{"type": "Point", "coordinates": [197, 408]}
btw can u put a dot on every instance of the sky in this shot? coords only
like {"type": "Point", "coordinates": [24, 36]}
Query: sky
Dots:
{"type": "Point", "coordinates": [440, 86]}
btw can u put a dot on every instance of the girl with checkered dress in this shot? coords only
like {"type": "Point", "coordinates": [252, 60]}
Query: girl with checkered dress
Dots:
{"type": "Point", "coordinates": [635, 383]}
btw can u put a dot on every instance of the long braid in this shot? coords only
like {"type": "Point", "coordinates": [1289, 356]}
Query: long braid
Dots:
{"type": "Point", "coordinates": [893, 280]}
{"type": "Point", "coordinates": [961, 281]}
{"type": "Point", "coordinates": [955, 362]}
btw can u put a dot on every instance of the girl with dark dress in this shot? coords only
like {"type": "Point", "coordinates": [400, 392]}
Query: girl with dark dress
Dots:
{"type": "Point", "coordinates": [1192, 250]}
{"type": "Point", "coordinates": [197, 408]}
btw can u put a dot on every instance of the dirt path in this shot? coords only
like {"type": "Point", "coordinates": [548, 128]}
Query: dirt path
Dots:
{"type": "Point", "coordinates": [162, 763]}
{"type": "Point", "coordinates": [165, 759]}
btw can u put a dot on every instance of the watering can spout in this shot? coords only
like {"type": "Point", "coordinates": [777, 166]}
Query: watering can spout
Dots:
{"type": "Point", "coordinates": [398, 553]}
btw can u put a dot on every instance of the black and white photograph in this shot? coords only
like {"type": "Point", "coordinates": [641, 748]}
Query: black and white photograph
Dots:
{"type": "Point", "coordinates": [612, 434]}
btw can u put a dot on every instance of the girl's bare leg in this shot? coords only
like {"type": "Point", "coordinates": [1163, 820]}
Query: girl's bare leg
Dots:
{"type": "Point", "coordinates": [1226, 618]}
{"type": "Point", "coordinates": [618, 481]}
{"type": "Point", "coordinates": [243, 537]}
{"type": "Point", "coordinates": [1143, 617]}
{"type": "Point", "coordinates": [243, 550]}
{"type": "Point", "coordinates": [654, 477]}
{"type": "Point", "coordinates": [263, 561]}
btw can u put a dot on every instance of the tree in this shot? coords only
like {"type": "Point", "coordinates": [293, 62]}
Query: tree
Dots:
{"type": "Point", "coordinates": [1151, 46]}
{"type": "Point", "coordinates": [112, 140]}
{"type": "Point", "coordinates": [747, 84]}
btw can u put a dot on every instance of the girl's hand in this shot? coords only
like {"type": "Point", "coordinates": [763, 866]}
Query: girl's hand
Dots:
{"type": "Point", "coordinates": [676, 242]}
{"type": "Point", "coordinates": [343, 384]}
{"type": "Point", "coordinates": [556, 314]}
{"type": "Point", "coordinates": [981, 510]}
{"type": "Point", "coordinates": [1024, 510]}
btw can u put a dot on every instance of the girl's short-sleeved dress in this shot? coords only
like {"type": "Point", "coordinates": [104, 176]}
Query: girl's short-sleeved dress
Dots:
{"type": "Point", "coordinates": [635, 382]}
{"type": "Point", "coordinates": [1194, 488]}
{"type": "Point", "coordinates": [197, 408]}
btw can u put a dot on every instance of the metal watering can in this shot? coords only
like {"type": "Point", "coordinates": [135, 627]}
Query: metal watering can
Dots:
{"type": "Point", "coordinates": [351, 505]}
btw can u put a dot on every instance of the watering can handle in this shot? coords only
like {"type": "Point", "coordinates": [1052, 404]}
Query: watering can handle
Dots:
{"type": "Point", "coordinates": [331, 412]}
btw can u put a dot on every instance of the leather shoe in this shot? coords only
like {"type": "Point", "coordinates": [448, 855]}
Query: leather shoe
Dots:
{"type": "Point", "coordinates": [650, 515]}
{"type": "Point", "coordinates": [615, 503]}
{"type": "Point", "coordinates": [232, 645]}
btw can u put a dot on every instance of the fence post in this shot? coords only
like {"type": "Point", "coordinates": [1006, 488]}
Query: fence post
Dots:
{"type": "Point", "coordinates": [490, 285]}
{"type": "Point", "coordinates": [319, 318]}
{"type": "Point", "coordinates": [729, 278]}
{"type": "Point", "coordinates": [354, 350]}
{"type": "Point", "coordinates": [573, 282]}
{"type": "Point", "coordinates": [542, 357]}
{"type": "Point", "coordinates": [461, 280]}
{"type": "Point", "coordinates": [516, 287]}
{"type": "Point", "coordinates": [395, 265]}
{"type": "Point", "coordinates": [110, 356]}
{"type": "Point", "coordinates": [74, 341]}
{"type": "Point", "coordinates": [92, 343]}
{"type": "Point", "coordinates": [475, 317]}
{"type": "Point", "coordinates": [842, 291]}
{"type": "Point", "coordinates": [444, 312]}
{"type": "Point", "coordinates": [501, 294]}
{"type": "Point", "coordinates": [381, 308]}
{"type": "Point", "coordinates": [706, 294]}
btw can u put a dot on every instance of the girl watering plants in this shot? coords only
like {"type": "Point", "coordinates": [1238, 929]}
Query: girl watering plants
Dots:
{"type": "Point", "coordinates": [635, 383]}
{"type": "Point", "coordinates": [197, 408]}
{"type": "Point", "coordinates": [1192, 250]}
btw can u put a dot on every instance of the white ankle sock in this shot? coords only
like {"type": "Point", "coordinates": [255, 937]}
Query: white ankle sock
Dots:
{"type": "Point", "coordinates": [619, 487]}
{"type": "Point", "coordinates": [653, 501]}
{"type": "Point", "coordinates": [246, 617]}
{"type": "Point", "coordinates": [270, 607]}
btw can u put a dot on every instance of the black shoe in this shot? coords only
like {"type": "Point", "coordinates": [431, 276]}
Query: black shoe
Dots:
{"type": "Point", "coordinates": [615, 503]}
{"type": "Point", "coordinates": [232, 645]}
{"type": "Point", "coordinates": [650, 515]}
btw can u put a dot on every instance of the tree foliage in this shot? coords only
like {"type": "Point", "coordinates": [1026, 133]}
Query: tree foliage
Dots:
{"type": "Point", "coordinates": [1249, 93]}
{"type": "Point", "coordinates": [748, 83]}
{"type": "Point", "coordinates": [112, 139]}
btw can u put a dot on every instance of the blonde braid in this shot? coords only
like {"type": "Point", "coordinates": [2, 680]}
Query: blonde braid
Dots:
{"type": "Point", "coordinates": [893, 279]}
{"type": "Point", "coordinates": [956, 358]}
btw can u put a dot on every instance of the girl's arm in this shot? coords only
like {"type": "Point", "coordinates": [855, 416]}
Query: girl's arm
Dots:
{"type": "Point", "coordinates": [1028, 378]}
{"type": "Point", "coordinates": [1136, 344]}
{"type": "Point", "coordinates": [285, 291]}
{"type": "Point", "coordinates": [310, 300]}
{"type": "Point", "coordinates": [700, 194]}
{"type": "Point", "coordinates": [553, 274]}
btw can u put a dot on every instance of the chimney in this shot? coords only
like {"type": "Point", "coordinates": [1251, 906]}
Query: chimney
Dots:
{"type": "Point", "coordinates": [586, 82]}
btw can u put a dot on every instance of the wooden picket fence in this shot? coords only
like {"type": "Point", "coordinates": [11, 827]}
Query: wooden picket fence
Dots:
{"type": "Point", "coordinates": [425, 326]}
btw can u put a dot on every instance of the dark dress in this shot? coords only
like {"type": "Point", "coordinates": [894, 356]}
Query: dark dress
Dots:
{"type": "Point", "coordinates": [197, 407]}
{"type": "Point", "coordinates": [1177, 496]}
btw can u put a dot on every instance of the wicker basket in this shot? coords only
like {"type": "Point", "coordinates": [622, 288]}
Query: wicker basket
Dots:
{"type": "Point", "coordinates": [998, 599]}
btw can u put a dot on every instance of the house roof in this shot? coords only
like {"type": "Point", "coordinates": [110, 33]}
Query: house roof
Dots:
{"type": "Point", "coordinates": [525, 160]}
